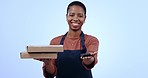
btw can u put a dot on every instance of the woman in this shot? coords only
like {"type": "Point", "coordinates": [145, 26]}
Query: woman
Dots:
{"type": "Point", "coordinates": [70, 63]}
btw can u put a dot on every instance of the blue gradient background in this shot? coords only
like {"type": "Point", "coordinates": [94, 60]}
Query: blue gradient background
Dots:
{"type": "Point", "coordinates": [120, 25]}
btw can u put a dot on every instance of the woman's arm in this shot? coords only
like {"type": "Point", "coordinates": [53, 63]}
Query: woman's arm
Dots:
{"type": "Point", "coordinates": [92, 49]}
{"type": "Point", "coordinates": [49, 67]}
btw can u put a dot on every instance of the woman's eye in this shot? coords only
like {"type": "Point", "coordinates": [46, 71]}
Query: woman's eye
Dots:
{"type": "Point", "coordinates": [71, 15]}
{"type": "Point", "coordinates": [81, 16]}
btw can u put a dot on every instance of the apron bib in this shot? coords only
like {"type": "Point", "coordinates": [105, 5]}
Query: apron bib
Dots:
{"type": "Point", "coordinates": [69, 64]}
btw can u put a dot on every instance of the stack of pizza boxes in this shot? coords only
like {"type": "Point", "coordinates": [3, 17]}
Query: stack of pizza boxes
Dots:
{"type": "Point", "coordinates": [43, 52]}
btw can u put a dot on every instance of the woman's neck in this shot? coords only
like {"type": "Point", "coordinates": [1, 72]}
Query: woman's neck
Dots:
{"type": "Point", "coordinates": [73, 34]}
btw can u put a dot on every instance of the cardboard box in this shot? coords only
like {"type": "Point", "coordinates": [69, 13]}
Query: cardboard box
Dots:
{"type": "Point", "coordinates": [50, 48]}
{"type": "Point", "coordinates": [25, 55]}
{"type": "Point", "coordinates": [49, 51]}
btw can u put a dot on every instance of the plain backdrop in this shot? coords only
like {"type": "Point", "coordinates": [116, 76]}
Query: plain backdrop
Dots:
{"type": "Point", "coordinates": [120, 25]}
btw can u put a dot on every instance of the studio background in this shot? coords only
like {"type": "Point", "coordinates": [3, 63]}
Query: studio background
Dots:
{"type": "Point", "coordinates": [120, 25]}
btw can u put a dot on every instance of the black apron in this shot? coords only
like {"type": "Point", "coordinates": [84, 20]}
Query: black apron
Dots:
{"type": "Point", "coordinates": [69, 64]}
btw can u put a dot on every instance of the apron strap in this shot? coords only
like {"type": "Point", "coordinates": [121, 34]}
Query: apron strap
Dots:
{"type": "Point", "coordinates": [82, 41]}
{"type": "Point", "coordinates": [63, 38]}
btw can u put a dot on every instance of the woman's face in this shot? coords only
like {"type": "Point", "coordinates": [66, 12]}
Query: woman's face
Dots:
{"type": "Point", "coordinates": [75, 17]}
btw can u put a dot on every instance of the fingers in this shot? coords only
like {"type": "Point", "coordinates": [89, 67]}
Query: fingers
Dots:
{"type": "Point", "coordinates": [87, 56]}
{"type": "Point", "coordinates": [94, 53]}
{"type": "Point", "coordinates": [42, 59]}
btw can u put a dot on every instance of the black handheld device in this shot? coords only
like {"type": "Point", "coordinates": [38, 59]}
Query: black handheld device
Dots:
{"type": "Point", "coordinates": [85, 55]}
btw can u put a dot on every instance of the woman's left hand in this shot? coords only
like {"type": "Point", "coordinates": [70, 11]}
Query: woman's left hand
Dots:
{"type": "Point", "coordinates": [89, 59]}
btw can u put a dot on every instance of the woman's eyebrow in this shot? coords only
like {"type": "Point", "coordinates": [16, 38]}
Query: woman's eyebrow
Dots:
{"type": "Point", "coordinates": [75, 13]}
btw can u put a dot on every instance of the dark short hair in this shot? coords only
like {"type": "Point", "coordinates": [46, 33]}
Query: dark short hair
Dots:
{"type": "Point", "coordinates": [78, 3]}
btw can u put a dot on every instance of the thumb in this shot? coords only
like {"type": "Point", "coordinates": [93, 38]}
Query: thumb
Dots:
{"type": "Point", "coordinates": [94, 53]}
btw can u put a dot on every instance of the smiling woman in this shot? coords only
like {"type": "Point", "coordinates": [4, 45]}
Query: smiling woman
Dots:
{"type": "Point", "coordinates": [120, 25]}
{"type": "Point", "coordinates": [75, 17]}
{"type": "Point", "coordinates": [71, 63]}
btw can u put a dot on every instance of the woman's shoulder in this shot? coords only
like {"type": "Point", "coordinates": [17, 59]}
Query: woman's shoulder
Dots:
{"type": "Point", "coordinates": [91, 43]}
{"type": "Point", "coordinates": [56, 40]}
{"type": "Point", "coordinates": [90, 37]}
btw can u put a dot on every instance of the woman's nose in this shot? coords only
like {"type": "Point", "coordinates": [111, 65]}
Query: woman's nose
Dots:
{"type": "Point", "coordinates": [75, 19]}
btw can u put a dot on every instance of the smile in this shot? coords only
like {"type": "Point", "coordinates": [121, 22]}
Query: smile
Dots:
{"type": "Point", "coordinates": [75, 24]}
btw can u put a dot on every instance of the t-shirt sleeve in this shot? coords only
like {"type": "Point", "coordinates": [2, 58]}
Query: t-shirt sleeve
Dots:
{"type": "Point", "coordinates": [56, 40]}
{"type": "Point", "coordinates": [92, 44]}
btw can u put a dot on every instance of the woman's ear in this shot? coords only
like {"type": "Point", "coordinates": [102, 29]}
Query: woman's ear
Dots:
{"type": "Point", "coordinates": [84, 19]}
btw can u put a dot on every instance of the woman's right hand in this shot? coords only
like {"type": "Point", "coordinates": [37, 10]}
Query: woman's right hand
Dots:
{"type": "Point", "coordinates": [49, 65]}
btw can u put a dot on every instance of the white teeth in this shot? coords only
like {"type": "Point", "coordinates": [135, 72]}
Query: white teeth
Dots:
{"type": "Point", "coordinates": [75, 24]}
